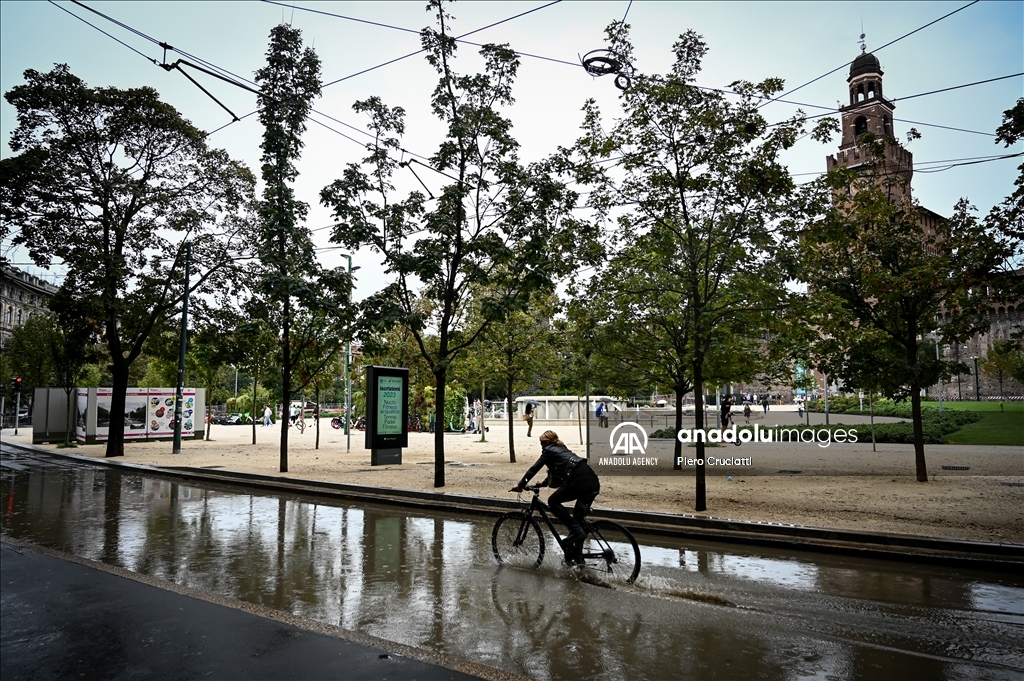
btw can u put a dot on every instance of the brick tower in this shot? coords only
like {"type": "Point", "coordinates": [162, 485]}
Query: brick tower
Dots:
{"type": "Point", "coordinates": [870, 112]}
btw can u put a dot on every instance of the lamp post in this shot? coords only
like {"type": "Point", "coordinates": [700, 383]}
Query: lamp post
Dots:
{"type": "Point", "coordinates": [348, 378]}
{"type": "Point", "coordinates": [977, 388]}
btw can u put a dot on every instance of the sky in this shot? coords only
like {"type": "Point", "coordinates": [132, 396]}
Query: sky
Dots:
{"type": "Point", "coordinates": [796, 41]}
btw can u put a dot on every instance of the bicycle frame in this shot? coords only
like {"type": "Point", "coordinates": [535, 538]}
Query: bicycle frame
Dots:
{"type": "Point", "coordinates": [536, 505]}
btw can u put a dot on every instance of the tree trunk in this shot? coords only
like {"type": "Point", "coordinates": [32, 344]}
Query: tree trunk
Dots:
{"type": "Point", "coordinates": [67, 433]}
{"type": "Point", "coordinates": [439, 388]}
{"type": "Point", "coordinates": [316, 418]}
{"type": "Point", "coordinates": [286, 376]}
{"type": "Point", "coordinates": [871, 405]}
{"type": "Point", "coordinates": [115, 437]}
{"type": "Point", "coordinates": [915, 406]}
{"type": "Point", "coordinates": [701, 495]}
{"type": "Point", "coordinates": [676, 462]}
{"type": "Point", "coordinates": [209, 423]}
{"type": "Point", "coordinates": [255, 387]}
{"type": "Point", "coordinates": [511, 423]}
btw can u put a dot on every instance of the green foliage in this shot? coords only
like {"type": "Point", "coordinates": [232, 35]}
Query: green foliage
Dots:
{"type": "Point", "coordinates": [1003, 362]}
{"type": "Point", "coordinates": [27, 353]}
{"type": "Point", "coordinates": [454, 409]}
{"type": "Point", "coordinates": [498, 226]}
{"type": "Point", "coordinates": [700, 270]}
{"type": "Point", "coordinates": [880, 271]}
{"type": "Point", "coordinates": [113, 183]}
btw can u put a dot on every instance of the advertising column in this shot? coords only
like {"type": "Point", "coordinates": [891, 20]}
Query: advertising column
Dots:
{"type": "Point", "coordinates": [387, 413]}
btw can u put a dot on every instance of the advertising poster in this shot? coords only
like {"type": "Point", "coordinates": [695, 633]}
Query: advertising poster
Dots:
{"type": "Point", "coordinates": [188, 412]}
{"type": "Point", "coordinates": [81, 409]}
{"type": "Point", "coordinates": [136, 409]}
{"type": "Point", "coordinates": [161, 412]}
{"type": "Point", "coordinates": [389, 405]}
{"type": "Point", "coordinates": [103, 399]}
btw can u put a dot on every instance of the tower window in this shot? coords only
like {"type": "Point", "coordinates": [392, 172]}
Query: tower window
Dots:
{"type": "Point", "coordinates": [886, 126]}
{"type": "Point", "coordinates": [860, 126]}
{"type": "Point", "coordinates": [860, 93]}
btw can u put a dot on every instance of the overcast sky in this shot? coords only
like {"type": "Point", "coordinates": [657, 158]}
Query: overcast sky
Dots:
{"type": "Point", "coordinates": [797, 41]}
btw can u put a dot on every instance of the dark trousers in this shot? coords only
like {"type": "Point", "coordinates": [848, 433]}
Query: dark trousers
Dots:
{"type": "Point", "coordinates": [583, 486]}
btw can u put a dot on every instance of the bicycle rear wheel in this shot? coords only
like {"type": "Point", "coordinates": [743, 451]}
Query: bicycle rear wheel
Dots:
{"type": "Point", "coordinates": [611, 551]}
{"type": "Point", "coordinates": [517, 540]}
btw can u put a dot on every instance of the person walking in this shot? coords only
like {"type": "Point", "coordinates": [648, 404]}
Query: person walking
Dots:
{"type": "Point", "coordinates": [746, 413]}
{"type": "Point", "coordinates": [528, 417]}
{"type": "Point", "coordinates": [267, 421]}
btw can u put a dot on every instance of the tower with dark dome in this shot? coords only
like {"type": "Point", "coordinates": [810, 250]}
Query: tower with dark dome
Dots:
{"type": "Point", "coordinates": [870, 112]}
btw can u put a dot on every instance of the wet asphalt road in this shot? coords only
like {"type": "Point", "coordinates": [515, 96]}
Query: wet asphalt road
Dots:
{"type": "Point", "coordinates": [699, 610]}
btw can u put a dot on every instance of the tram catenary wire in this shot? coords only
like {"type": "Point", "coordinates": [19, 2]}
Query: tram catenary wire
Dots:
{"type": "Point", "coordinates": [246, 80]}
{"type": "Point", "coordinates": [891, 42]}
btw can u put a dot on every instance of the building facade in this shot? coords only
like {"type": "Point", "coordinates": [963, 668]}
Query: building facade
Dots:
{"type": "Point", "coordinates": [22, 296]}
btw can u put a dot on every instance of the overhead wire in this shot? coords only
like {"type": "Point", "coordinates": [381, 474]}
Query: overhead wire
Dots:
{"type": "Point", "coordinates": [891, 42]}
{"type": "Point", "coordinates": [229, 74]}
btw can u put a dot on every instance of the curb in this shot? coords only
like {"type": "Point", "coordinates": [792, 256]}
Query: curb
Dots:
{"type": "Point", "coordinates": [913, 548]}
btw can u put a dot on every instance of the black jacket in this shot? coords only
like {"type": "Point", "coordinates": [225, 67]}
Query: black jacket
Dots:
{"type": "Point", "coordinates": [559, 460]}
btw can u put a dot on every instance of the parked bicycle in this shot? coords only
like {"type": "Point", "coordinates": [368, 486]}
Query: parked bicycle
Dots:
{"type": "Point", "coordinates": [609, 549]}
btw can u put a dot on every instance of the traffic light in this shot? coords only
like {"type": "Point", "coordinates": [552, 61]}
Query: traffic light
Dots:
{"type": "Point", "coordinates": [17, 384]}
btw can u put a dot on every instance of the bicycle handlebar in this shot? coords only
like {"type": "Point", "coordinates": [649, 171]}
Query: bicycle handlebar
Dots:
{"type": "Point", "coordinates": [530, 488]}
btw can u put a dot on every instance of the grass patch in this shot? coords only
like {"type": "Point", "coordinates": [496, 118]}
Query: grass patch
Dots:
{"type": "Point", "coordinates": [994, 428]}
{"type": "Point", "coordinates": [67, 445]}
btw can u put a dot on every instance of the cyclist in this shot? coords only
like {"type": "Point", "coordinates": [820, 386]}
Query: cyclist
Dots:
{"type": "Point", "coordinates": [573, 478]}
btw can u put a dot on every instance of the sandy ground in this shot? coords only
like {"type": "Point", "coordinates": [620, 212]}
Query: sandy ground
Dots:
{"type": "Point", "coordinates": [843, 487]}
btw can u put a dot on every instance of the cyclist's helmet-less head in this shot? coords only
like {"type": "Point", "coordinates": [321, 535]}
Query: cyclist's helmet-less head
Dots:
{"type": "Point", "coordinates": [550, 437]}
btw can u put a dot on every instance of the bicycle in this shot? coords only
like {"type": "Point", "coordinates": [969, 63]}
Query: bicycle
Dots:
{"type": "Point", "coordinates": [609, 549]}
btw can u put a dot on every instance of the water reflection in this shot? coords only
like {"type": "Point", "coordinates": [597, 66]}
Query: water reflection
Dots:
{"type": "Point", "coordinates": [431, 581]}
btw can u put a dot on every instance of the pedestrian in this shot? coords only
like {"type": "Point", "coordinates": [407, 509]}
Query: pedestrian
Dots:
{"type": "Point", "coordinates": [764, 403]}
{"type": "Point", "coordinates": [433, 420]}
{"type": "Point", "coordinates": [528, 417]}
{"type": "Point", "coordinates": [746, 413]}
{"type": "Point", "coordinates": [727, 416]}
{"type": "Point", "coordinates": [267, 421]}
{"type": "Point", "coordinates": [599, 413]}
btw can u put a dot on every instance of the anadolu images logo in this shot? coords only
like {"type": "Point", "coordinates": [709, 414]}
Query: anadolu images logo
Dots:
{"type": "Point", "coordinates": [628, 438]}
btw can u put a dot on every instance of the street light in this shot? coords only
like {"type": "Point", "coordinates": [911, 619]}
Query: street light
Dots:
{"type": "Point", "coordinates": [977, 389]}
{"type": "Point", "coordinates": [348, 378]}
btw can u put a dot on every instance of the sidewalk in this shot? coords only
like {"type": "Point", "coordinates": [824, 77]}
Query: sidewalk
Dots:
{"type": "Point", "coordinates": [62, 619]}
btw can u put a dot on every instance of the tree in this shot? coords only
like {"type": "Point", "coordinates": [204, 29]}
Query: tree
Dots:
{"type": "Point", "coordinates": [306, 298]}
{"type": "Point", "coordinates": [498, 226]}
{"type": "Point", "coordinates": [114, 183]}
{"type": "Point", "coordinates": [517, 350]}
{"type": "Point", "coordinates": [28, 352]}
{"type": "Point", "coordinates": [1001, 362]}
{"type": "Point", "coordinates": [699, 170]}
{"type": "Point", "coordinates": [881, 270]}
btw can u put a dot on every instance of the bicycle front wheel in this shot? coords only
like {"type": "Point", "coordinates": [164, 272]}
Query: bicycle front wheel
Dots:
{"type": "Point", "coordinates": [517, 540]}
{"type": "Point", "coordinates": [611, 551]}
